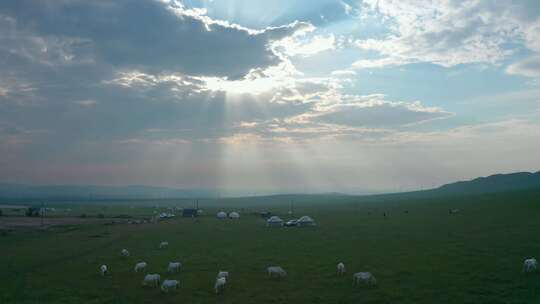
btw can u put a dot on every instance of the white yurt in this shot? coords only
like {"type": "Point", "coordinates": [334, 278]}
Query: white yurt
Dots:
{"type": "Point", "coordinates": [305, 221]}
{"type": "Point", "coordinates": [200, 212]}
{"type": "Point", "coordinates": [274, 221]}
{"type": "Point", "coordinates": [234, 215]}
{"type": "Point", "coordinates": [221, 215]}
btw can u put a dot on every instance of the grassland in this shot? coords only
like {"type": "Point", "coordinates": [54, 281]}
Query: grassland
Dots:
{"type": "Point", "coordinates": [423, 256]}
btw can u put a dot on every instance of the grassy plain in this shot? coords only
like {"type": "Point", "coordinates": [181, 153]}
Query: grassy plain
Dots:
{"type": "Point", "coordinates": [423, 256]}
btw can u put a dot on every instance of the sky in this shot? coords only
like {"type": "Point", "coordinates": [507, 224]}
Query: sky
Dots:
{"type": "Point", "coordinates": [250, 97]}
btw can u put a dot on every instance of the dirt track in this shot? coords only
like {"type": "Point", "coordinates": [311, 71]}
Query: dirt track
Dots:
{"type": "Point", "coordinates": [21, 222]}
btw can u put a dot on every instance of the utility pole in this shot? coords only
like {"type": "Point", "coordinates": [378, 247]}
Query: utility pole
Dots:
{"type": "Point", "coordinates": [291, 208]}
{"type": "Point", "coordinates": [42, 211]}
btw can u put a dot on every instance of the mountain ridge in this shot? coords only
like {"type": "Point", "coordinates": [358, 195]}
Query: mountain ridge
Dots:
{"type": "Point", "coordinates": [493, 183]}
{"type": "Point", "coordinates": [488, 184]}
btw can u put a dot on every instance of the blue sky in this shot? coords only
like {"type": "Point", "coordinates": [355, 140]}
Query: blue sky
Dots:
{"type": "Point", "coordinates": [268, 96]}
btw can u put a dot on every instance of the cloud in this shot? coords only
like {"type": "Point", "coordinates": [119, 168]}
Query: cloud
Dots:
{"type": "Point", "coordinates": [445, 33]}
{"type": "Point", "coordinates": [143, 90]}
{"type": "Point", "coordinates": [375, 112]}
{"type": "Point", "coordinates": [143, 35]}
{"type": "Point", "coordinates": [86, 103]}
{"type": "Point", "coordinates": [295, 46]}
{"type": "Point", "coordinates": [529, 67]}
{"type": "Point", "coordinates": [343, 73]}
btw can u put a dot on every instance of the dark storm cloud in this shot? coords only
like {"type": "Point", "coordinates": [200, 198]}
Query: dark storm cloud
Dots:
{"type": "Point", "coordinates": [58, 58]}
{"type": "Point", "coordinates": [147, 35]}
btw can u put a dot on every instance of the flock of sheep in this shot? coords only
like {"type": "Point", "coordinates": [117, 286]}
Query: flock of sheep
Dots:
{"type": "Point", "coordinates": [153, 280]}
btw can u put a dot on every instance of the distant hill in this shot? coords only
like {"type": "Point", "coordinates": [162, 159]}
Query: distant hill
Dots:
{"type": "Point", "coordinates": [83, 192]}
{"type": "Point", "coordinates": [493, 183]}
{"type": "Point", "coordinates": [490, 184]}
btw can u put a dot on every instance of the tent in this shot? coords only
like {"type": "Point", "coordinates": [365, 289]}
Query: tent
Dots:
{"type": "Point", "coordinates": [221, 215]}
{"type": "Point", "coordinates": [200, 212]}
{"type": "Point", "coordinates": [305, 221]}
{"type": "Point", "coordinates": [274, 221]}
{"type": "Point", "coordinates": [234, 215]}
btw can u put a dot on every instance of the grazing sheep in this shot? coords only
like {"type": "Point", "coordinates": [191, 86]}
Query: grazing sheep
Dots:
{"type": "Point", "coordinates": [125, 253]}
{"type": "Point", "coordinates": [103, 269]}
{"type": "Point", "coordinates": [340, 268]}
{"type": "Point", "coordinates": [453, 211]}
{"type": "Point", "coordinates": [174, 267]}
{"type": "Point", "coordinates": [223, 274]}
{"type": "Point", "coordinates": [364, 277]}
{"type": "Point", "coordinates": [163, 245]}
{"type": "Point", "coordinates": [530, 265]}
{"type": "Point", "coordinates": [220, 284]}
{"type": "Point", "coordinates": [151, 280]}
{"type": "Point", "coordinates": [141, 266]}
{"type": "Point", "coordinates": [276, 271]}
{"type": "Point", "coordinates": [169, 285]}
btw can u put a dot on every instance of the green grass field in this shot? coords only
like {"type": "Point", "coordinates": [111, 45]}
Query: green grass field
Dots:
{"type": "Point", "coordinates": [424, 256]}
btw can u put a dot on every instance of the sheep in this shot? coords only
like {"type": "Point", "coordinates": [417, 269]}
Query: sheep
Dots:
{"type": "Point", "coordinates": [223, 274]}
{"type": "Point", "coordinates": [174, 267]}
{"type": "Point", "coordinates": [169, 284]}
{"type": "Point", "coordinates": [364, 277]}
{"type": "Point", "coordinates": [530, 265]}
{"type": "Point", "coordinates": [125, 253]}
{"type": "Point", "coordinates": [141, 266]}
{"type": "Point", "coordinates": [220, 284]}
{"type": "Point", "coordinates": [276, 271]}
{"type": "Point", "coordinates": [340, 268]}
{"type": "Point", "coordinates": [103, 269]}
{"type": "Point", "coordinates": [163, 245]}
{"type": "Point", "coordinates": [152, 280]}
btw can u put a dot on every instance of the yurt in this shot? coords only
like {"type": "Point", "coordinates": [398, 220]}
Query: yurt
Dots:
{"type": "Point", "coordinates": [221, 215]}
{"type": "Point", "coordinates": [305, 221]}
{"type": "Point", "coordinates": [234, 215]}
{"type": "Point", "coordinates": [274, 221]}
{"type": "Point", "coordinates": [200, 212]}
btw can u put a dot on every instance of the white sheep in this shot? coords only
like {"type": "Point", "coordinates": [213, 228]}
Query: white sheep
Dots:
{"type": "Point", "coordinates": [364, 277]}
{"type": "Point", "coordinates": [220, 284]}
{"type": "Point", "coordinates": [125, 253]}
{"type": "Point", "coordinates": [530, 265]}
{"type": "Point", "coordinates": [151, 280]}
{"type": "Point", "coordinates": [340, 268]}
{"type": "Point", "coordinates": [276, 271]}
{"type": "Point", "coordinates": [103, 269]}
{"type": "Point", "coordinates": [223, 274]}
{"type": "Point", "coordinates": [169, 285]}
{"type": "Point", "coordinates": [174, 267]}
{"type": "Point", "coordinates": [141, 266]}
{"type": "Point", "coordinates": [454, 211]}
{"type": "Point", "coordinates": [163, 245]}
